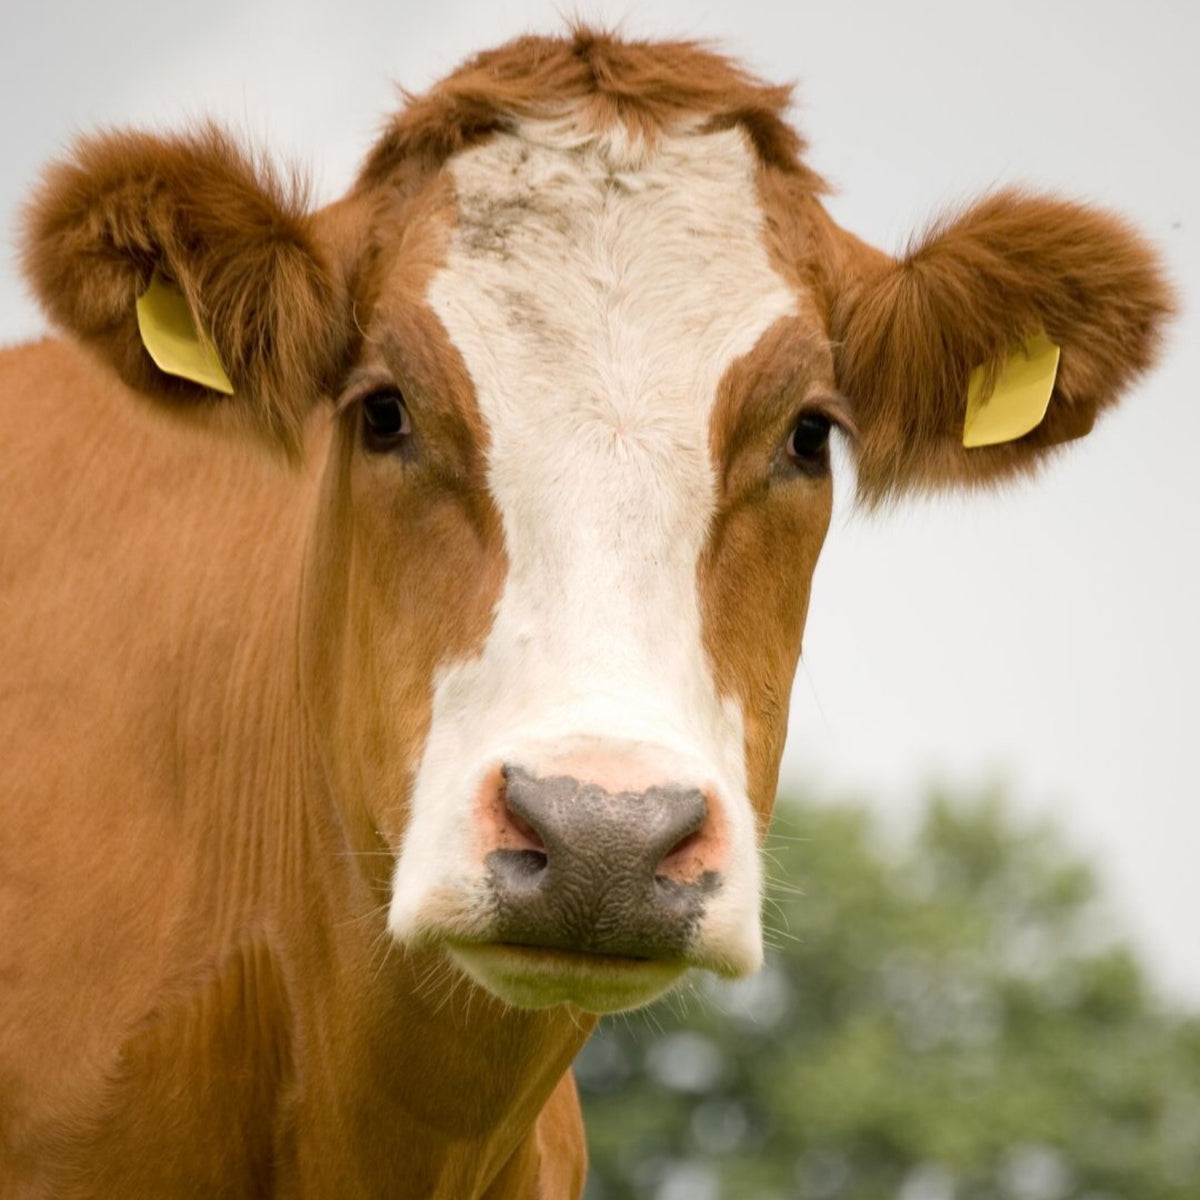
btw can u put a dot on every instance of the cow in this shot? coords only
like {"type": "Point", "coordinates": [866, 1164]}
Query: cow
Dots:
{"type": "Point", "coordinates": [401, 598]}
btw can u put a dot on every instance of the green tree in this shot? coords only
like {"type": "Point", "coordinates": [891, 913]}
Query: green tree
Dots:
{"type": "Point", "coordinates": [950, 1022]}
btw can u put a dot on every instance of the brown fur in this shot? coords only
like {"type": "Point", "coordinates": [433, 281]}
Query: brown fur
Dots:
{"type": "Point", "coordinates": [758, 564]}
{"type": "Point", "coordinates": [239, 1074]}
{"type": "Point", "coordinates": [649, 86]}
{"type": "Point", "coordinates": [442, 513]}
{"type": "Point", "coordinates": [217, 671]}
{"type": "Point", "coordinates": [908, 336]}
{"type": "Point", "coordinates": [202, 985]}
{"type": "Point", "coordinates": [230, 232]}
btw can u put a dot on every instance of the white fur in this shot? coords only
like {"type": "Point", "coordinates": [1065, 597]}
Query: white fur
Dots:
{"type": "Point", "coordinates": [597, 291]}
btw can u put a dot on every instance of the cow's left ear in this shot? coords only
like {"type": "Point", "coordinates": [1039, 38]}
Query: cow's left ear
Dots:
{"type": "Point", "coordinates": [909, 333]}
{"type": "Point", "coordinates": [233, 256]}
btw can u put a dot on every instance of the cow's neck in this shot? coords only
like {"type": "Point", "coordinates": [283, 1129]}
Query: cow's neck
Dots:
{"type": "Point", "coordinates": [399, 1077]}
{"type": "Point", "coordinates": [435, 1087]}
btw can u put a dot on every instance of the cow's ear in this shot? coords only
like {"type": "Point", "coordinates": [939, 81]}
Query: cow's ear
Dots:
{"type": "Point", "coordinates": [908, 334]}
{"type": "Point", "coordinates": [229, 254]}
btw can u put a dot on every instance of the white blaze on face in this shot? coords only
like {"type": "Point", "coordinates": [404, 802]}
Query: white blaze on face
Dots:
{"type": "Point", "coordinates": [597, 294]}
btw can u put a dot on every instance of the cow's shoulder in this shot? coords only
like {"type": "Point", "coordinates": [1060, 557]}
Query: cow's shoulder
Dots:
{"type": "Point", "coordinates": [206, 1078]}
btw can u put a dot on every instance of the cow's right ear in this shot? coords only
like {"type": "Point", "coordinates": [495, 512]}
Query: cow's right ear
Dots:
{"type": "Point", "coordinates": [233, 241]}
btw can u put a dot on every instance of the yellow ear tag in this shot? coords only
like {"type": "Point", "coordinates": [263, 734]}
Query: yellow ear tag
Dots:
{"type": "Point", "coordinates": [172, 339]}
{"type": "Point", "coordinates": [1020, 398]}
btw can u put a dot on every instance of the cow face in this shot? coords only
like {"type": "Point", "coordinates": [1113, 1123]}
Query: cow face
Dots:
{"type": "Point", "coordinates": [602, 378]}
{"type": "Point", "coordinates": [584, 352]}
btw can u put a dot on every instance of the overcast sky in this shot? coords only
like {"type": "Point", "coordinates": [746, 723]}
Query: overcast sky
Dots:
{"type": "Point", "coordinates": [1045, 637]}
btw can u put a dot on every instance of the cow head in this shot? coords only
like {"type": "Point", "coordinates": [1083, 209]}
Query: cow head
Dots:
{"type": "Point", "coordinates": [584, 328]}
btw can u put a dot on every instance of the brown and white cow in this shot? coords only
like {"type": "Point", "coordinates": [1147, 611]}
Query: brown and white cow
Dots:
{"type": "Point", "coordinates": [343, 785]}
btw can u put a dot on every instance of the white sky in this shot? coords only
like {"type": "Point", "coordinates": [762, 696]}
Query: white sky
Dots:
{"type": "Point", "coordinates": [1045, 637]}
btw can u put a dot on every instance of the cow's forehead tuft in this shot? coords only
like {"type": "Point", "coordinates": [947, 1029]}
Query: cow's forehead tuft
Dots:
{"type": "Point", "coordinates": [628, 90]}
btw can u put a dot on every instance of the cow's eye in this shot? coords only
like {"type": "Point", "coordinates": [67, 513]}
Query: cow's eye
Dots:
{"type": "Point", "coordinates": [385, 419]}
{"type": "Point", "coordinates": [808, 442]}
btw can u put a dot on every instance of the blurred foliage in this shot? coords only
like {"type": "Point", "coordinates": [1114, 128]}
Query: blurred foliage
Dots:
{"type": "Point", "coordinates": [949, 1022]}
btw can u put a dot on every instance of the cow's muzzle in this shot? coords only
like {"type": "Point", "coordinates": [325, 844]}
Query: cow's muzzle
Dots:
{"type": "Point", "coordinates": [609, 873]}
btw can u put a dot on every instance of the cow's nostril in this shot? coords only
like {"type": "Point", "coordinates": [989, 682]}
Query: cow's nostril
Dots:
{"type": "Point", "coordinates": [525, 864]}
{"type": "Point", "coordinates": [677, 861]}
{"type": "Point", "coordinates": [512, 829]}
{"type": "Point", "coordinates": [529, 837]}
